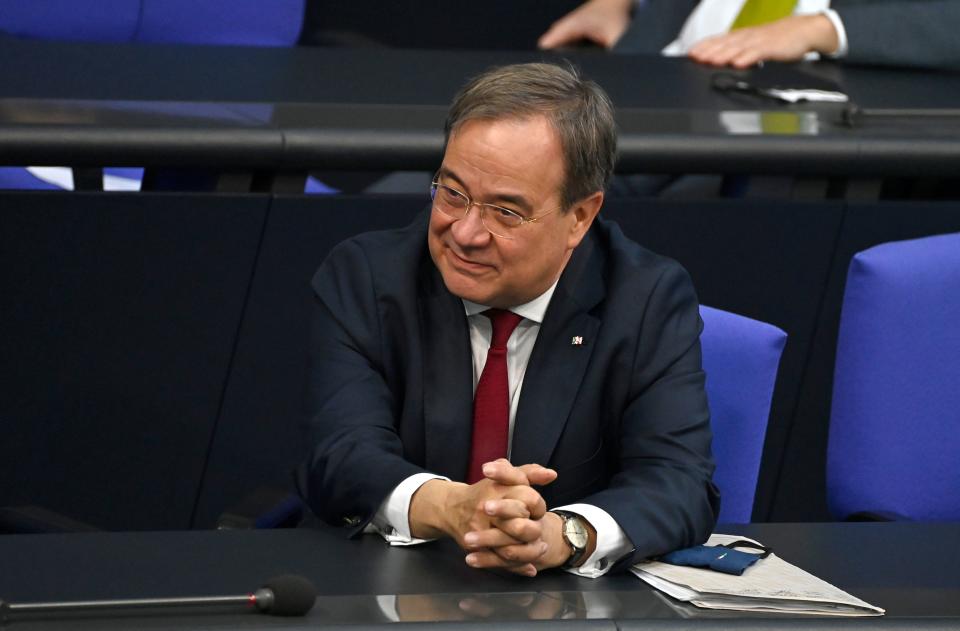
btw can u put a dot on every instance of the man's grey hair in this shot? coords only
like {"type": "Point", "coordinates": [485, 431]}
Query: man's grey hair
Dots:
{"type": "Point", "coordinates": [578, 109]}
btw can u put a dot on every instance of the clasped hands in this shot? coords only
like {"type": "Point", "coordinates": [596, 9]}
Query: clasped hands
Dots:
{"type": "Point", "coordinates": [501, 521]}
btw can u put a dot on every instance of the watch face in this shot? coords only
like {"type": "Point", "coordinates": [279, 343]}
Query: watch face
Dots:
{"type": "Point", "coordinates": [575, 532]}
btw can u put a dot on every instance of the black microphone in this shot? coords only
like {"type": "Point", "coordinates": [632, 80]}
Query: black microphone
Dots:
{"type": "Point", "coordinates": [287, 595]}
{"type": "Point", "coordinates": [853, 115]}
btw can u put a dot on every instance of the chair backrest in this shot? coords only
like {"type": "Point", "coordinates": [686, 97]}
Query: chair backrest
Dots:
{"type": "Point", "coordinates": [894, 444]}
{"type": "Point", "coordinates": [239, 22]}
{"type": "Point", "coordinates": [93, 20]}
{"type": "Point", "coordinates": [740, 357]}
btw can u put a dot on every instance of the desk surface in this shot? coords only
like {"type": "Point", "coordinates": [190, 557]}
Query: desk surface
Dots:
{"type": "Point", "coordinates": [291, 108]}
{"type": "Point", "coordinates": [908, 569]}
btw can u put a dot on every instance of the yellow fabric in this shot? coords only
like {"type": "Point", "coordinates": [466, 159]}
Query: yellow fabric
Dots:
{"type": "Point", "coordinates": [781, 123]}
{"type": "Point", "coordinates": [756, 12]}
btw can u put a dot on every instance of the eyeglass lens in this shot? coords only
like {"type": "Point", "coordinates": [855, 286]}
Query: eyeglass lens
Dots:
{"type": "Point", "coordinates": [455, 204]}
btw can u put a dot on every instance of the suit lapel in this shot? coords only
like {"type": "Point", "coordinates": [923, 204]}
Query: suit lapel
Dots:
{"type": "Point", "coordinates": [560, 356]}
{"type": "Point", "coordinates": [447, 378]}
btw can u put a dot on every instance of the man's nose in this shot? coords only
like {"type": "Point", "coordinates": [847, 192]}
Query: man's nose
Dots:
{"type": "Point", "coordinates": [470, 230]}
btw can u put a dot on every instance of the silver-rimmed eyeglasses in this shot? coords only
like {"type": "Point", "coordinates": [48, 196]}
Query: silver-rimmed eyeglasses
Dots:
{"type": "Point", "coordinates": [498, 221]}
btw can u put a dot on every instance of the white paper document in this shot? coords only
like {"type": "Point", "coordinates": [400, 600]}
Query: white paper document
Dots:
{"type": "Point", "coordinates": [769, 585]}
{"type": "Point", "coordinates": [796, 95]}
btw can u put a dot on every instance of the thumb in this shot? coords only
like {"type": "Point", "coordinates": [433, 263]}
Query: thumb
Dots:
{"type": "Point", "coordinates": [538, 474]}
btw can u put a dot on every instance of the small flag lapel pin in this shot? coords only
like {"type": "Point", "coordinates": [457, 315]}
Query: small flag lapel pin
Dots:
{"type": "Point", "coordinates": [577, 340]}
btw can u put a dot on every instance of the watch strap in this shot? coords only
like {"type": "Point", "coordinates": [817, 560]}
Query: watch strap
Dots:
{"type": "Point", "coordinates": [578, 551]}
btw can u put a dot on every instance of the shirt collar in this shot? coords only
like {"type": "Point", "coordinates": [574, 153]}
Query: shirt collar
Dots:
{"type": "Point", "coordinates": [533, 310]}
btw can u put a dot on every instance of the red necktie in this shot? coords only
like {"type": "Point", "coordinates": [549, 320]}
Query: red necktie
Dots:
{"type": "Point", "coordinates": [491, 402]}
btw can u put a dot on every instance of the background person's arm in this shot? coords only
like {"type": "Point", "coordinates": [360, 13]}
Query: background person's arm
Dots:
{"type": "Point", "coordinates": [921, 33]}
{"type": "Point", "coordinates": [655, 24]}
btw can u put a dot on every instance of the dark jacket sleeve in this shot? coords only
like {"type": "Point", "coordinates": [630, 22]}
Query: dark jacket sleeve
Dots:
{"type": "Point", "coordinates": [357, 458]}
{"type": "Point", "coordinates": [655, 24]}
{"type": "Point", "coordinates": [662, 494]}
{"type": "Point", "coordinates": [920, 33]}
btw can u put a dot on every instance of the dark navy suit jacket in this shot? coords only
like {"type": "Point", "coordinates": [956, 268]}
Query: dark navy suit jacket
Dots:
{"type": "Point", "coordinates": [886, 32]}
{"type": "Point", "coordinates": [622, 417]}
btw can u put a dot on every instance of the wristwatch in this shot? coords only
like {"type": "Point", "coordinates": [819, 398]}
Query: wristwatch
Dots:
{"type": "Point", "coordinates": [575, 534]}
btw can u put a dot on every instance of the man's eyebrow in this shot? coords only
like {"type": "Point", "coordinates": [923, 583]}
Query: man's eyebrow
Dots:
{"type": "Point", "coordinates": [445, 172]}
{"type": "Point", "coordinates": [517, 201]}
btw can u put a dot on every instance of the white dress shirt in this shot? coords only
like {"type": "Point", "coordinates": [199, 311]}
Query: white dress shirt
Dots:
{"type": "Point", "coordinates": [392, 520]}
{"type": "Point", "coordinates": [715, 17]}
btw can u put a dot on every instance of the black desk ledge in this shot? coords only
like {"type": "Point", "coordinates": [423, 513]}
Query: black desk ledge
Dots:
{"type": "Point", "coordinates": [907, 568]}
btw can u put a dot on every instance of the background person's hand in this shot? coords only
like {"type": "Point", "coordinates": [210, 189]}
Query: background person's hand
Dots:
{"type": "Point", "coordinates": [600, 21]}
{"type": "Point", "coordinates": [788, 39]}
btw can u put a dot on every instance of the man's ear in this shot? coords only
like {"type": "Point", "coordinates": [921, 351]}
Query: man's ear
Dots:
{"type": "Point", "coordinates": [583, 212]}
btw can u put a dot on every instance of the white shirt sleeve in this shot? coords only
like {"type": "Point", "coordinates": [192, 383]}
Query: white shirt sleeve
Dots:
{"type": "Point", "coordinates": [842, 46]}
{"type": "Point", "coordinates": [612, 542]}
{"type": "Point", "coordinates": [392, 520]}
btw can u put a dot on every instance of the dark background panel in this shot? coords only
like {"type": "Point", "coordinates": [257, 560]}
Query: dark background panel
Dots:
{"type": "Point", "coordinates": [765, 260]}
{"type": "Point", "coordinates": [258, 439]}
{"type": "Point", "coordinates": [800, 492]}
{"type": "Point", "coordinates": [143, 387]}
{"type": "Point", "coordinates": [118, 319]}
{"type": "Point", "coordinates": [492, 24]}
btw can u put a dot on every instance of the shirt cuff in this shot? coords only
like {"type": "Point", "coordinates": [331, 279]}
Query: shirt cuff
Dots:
{"type": "Point", "coordinates": [612, 542]}
{"type": "Point", "coordinates": [392, 520]}
{"type": "Point", "coordinates": [842, 46]}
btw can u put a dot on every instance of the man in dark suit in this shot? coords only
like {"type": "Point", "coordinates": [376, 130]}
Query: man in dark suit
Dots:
{"type": "Point", "coordinates": [510, 352]}
{"type": "Point", "coordinates": [884, 32]}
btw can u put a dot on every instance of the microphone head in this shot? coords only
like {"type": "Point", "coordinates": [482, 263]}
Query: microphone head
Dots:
{"type": "Point", "coordinates": [293, 595]}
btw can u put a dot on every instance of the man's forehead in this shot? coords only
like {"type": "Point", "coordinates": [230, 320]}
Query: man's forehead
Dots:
{"type": "Point", "coordinates": [515, 145]}
{"type": "Point", "coordinates": [519, 119]}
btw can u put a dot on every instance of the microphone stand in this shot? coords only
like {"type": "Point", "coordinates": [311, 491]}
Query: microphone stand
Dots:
{"type": "Point", "coordinates": [262, 599]}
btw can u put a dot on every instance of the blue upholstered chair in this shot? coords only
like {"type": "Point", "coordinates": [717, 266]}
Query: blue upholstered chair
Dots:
{"type": "Point", "coordinates": [894, 445]}
{"type": "Point", "coordinates": [93, 20]}
{"type": "Point", "coordinates": [740, 357]}
{"type": "Point", "coordinates": [237, 22]}
{"type": "Point", "coordinates": [21, 178]}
